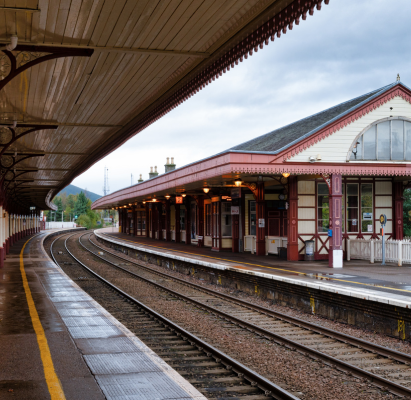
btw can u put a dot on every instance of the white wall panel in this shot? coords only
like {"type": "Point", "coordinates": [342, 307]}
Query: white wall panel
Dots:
{"type": "Point", "coordinates": [306, 213]}
{"type": "Point", "coordinates": [306, 227]}
{"type": "Point", "coordinates": [386, 211]}
{"type": "Point", "coordinates": [383, 201]}
{"type": "Point", "coordinates": [383, 187]}
{"type": "Point", "coordinates": [306, 187]}
{"type": "Point", "coordinates": [335, 147]}
{"type": "Point", "coordinates": [306, 201]}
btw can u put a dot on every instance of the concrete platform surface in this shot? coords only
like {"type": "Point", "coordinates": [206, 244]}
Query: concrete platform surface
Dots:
{"type": "Point", "coordinates": [388, 284]}
{"type": "Point", "coordinates": [93, 355]}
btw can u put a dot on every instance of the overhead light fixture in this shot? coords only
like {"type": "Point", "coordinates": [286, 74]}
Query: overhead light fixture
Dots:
{"type": "Point", "coordinates": [167, 196]}
{"type": "Point", "coordinates": [238, 182]}
{"type": "Point", "coordinates": [183, 194]}
{"type": "Point", "coordinates": [206, 190]}
{"type": "Point", "coordinates": [286, 174]}
{"type": "Point", "coordinates": [129, 204]}
{"type": "Point", "coordinates": [144, 202]}
{"type": "Point", "coordinates": [154, 200]}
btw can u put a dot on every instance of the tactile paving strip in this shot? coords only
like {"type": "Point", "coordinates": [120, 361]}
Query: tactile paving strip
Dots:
{"type": "Point", "coordinates": [143, 386]}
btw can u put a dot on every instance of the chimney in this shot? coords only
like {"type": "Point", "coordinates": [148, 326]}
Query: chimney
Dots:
{"type": "Point", "coordinates": [170, 166]}
{"type": "Point", "coordinates": [153, 174]}
{"type": "Point", "coordinates": [140, 179]}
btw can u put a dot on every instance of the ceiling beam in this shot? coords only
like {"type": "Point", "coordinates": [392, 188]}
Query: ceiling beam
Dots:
{"type": "Point", "coordinates": [70, 124]}
{"type": "Point", "coordinates": [27, 10]}
{"type": "Point", "coordinates": [172, 53]}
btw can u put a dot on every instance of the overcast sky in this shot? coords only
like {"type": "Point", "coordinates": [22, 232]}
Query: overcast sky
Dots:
{"type": "Point", "coordinates": [347, 49]}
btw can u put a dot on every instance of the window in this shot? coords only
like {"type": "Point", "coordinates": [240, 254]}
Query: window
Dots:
{"type": "Point", "coordinates": [352, 207]}
{"type": "Point", "coordinates": [208, 219]}
{"type": "Point", "coordinates": [253, 218]}
{"type": "Point", "coordinates": [323, 208]}
{"type": "Point", "coordinates": [225, 219]}
{"type": "Point", "coordinates": [388, 140]}
{"type": "Point", "coordinates": [366, 208]}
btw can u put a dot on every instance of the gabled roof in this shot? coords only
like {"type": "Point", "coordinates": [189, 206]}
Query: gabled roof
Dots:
{"type": "Point", "coordinates": [284, 137]}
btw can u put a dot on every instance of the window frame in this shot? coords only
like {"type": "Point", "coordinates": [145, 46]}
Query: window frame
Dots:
{"type": "Point", "coordinates": [374, 125]}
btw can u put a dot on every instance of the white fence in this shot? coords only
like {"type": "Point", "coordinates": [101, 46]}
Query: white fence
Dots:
{"type": "Point", "coordinates": [58, 225]}
{"type": "Point", "coordinates": [398, 251]}
{"type": "Point", "coordinates": [272, 243]}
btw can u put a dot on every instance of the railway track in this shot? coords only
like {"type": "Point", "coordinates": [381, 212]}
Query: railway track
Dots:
{"type": "Point", "coordinates": [212, 372]}
{"type": "Point", "coordinates": [384, 367]}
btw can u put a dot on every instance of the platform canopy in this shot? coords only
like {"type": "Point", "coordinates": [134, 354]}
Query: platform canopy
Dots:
{"type": "Point", "coordinates": [79, 78]}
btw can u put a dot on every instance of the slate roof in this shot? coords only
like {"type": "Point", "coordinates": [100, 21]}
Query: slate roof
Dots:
{"type": "Point", "coordinates": [286, 136]}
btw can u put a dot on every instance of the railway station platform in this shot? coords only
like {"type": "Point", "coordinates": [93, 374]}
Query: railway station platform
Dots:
{"type": "Point", "coordinates": [57, 342]}
{"type": "Point", "coordinates": [368, 295]}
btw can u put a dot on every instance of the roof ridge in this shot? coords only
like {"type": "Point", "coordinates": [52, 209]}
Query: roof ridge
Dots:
{"type": "Point", "coordinates": [366, 95]}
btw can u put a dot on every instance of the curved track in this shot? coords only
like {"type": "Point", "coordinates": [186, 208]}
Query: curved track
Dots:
{"type": "Point", "coordinates": [215, 374]}
{"type": "Point", "coordinates": [384, 367]}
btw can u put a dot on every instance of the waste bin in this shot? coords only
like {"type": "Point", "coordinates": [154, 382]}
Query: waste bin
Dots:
{"type": "Point", "coordinates": [309, 250]}
{"type": "Point", "coordinates": [282, 253]}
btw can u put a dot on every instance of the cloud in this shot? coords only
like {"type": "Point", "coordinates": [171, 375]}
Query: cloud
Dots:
{"type": "Point", "coordinates": [347, 49]}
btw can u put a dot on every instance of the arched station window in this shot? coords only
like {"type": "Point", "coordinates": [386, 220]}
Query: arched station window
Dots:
{"type": "Point", "coordinates": [384, 141]}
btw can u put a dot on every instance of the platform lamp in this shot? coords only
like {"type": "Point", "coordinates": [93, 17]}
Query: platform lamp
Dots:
{"type": "Point", "coordinates": [167, 196]}
{"type": "Point", "coordinates": [206, 189]}
{"type": "Point", "coordinates": [286, 174]}
{"type": "Point", "coordinates": [238, 182]}
{"type": "Point", "coordinates": [183, 194]}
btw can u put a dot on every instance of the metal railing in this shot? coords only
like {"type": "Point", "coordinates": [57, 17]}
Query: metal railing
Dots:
{"type": "Point", "coordinates": [398, 251]}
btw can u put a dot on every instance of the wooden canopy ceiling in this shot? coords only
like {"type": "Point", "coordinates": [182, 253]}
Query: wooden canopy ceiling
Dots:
{"type": "Point", "coordinates": [96, 72]}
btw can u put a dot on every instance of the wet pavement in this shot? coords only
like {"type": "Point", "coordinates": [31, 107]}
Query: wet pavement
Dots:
{"type": "Point", "coordinates": [94, 355]}
{"type": "Point", "coordinates": [357, 277]}
{"type": "Point", "coordinates": [21, 372]}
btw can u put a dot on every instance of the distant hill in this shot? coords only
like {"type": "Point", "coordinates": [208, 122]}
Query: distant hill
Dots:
{"type": "Point", "coordinates": [71, 189]}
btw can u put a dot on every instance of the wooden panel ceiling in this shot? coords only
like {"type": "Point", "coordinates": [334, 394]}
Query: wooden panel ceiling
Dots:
{"type": "Point", "coordinates": [144, 51]}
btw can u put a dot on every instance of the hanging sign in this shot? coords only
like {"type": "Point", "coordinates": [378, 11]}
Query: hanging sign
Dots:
{"type": "Point", "coordinates": [367, 216]}
{"type": "Point", "coordinates": [235, 210]}
{"type": "Point", "coordinates": [179, 199]}
{"type": "Point", "coordinates": [235, 193]}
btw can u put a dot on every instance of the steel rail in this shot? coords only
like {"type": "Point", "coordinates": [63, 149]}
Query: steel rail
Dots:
{"type": "Point", "coordinates": [375, 348]}
{"type": "Point", "coordinates": [327, 359]}
{"type": "Point", "coordinates": [253, 377]}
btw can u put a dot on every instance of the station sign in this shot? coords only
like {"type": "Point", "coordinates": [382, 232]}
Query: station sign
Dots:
{"type": "Point", "coordinates": [235, 210]}
{"type": "Point", "coordinates": [236, 193]}
{"type": "Point", "coordinates": [179, 199]}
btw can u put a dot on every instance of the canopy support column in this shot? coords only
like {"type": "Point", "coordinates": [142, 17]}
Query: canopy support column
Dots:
{"type": "Point", "coordinates": [168, 231]}
{"type": "Point", "coordinates": [292, 237]}
{"type": "Point", "coordinates": [177, 224]}
{"type": "Point", "coordinates": [188, 220]}
{"type": "Point", "coordinates": [335, 259]}
{"type": "Point", "coordinates": [200, 204]}
{"type": "Point", "coordinates": [398, 210]}
{"type": "Point", "coordinates": [260, 211]}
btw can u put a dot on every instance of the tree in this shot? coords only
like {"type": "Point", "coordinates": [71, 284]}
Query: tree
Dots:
{"type": "Point", "coordinates": [407, 213]}
{"type": "Point", "coordinates": [57, 201]}
{"type": "Point", "coordinates": [71, 201]}
{"type": "Point", "coordinates": [81, 204]}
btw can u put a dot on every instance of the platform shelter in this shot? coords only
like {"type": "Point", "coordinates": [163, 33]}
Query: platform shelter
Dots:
{"type": "Point", "coordinates": [303, 189]}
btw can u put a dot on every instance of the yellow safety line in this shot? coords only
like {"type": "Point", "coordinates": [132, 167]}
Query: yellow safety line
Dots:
{"type": "Point", "coordinates": [265, 266]}
{"type": "Point", "coordinates": [53, 382]}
